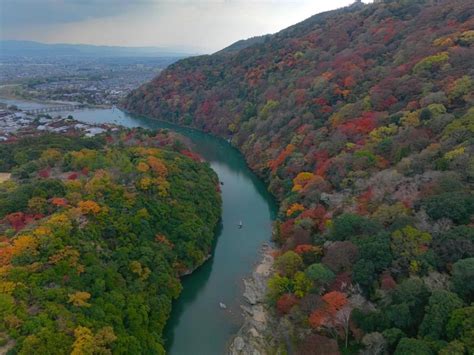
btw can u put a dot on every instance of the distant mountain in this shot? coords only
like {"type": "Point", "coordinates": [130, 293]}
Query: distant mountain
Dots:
{"type": "Point", "coordinates": [13, 48]}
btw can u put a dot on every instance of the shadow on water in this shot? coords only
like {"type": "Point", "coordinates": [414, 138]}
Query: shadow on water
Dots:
{"type": "Point", "coordinates": [193, 283]}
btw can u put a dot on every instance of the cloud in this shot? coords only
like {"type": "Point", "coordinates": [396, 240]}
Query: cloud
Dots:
{"type": "Point", "coordinates": [34, 12]}
{"type": "Point", "coordinates": [198, 25]}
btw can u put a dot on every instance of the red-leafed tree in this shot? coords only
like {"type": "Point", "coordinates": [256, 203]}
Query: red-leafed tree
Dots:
{"type": "Point", "coordinates": [274, 164]}
{"type": "Point", "coordinates": [361, 125]}
{"type": "Point", "coordinates": [315, 344]}
{"type": "Point", "coordinates": [192, 155]}
{"type": "Point", "coordinates": [17, 220]}
{"type": "Point", "coordinates": [44, 173]}
{"type": "Point", "coordinates": [286, 302]}
{"type": "Point", "coordinates": [324, 315]}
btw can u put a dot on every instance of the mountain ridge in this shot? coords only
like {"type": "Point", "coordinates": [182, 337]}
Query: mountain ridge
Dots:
{"type": "Point", "coordinates": [242, 44]}
{"type": "Point", "coordinates": [33, 48]}
{"type": "Point", "coordinates": [360, 121]}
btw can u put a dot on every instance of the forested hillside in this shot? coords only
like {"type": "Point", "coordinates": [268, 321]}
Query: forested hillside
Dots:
{"type": "Point", "coordinates": [361, 120]}
{"type": "Point", "coordinates": [94, 234]}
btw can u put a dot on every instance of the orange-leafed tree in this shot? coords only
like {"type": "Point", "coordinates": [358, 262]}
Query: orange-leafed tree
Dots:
{"type": "Point", "coordinates": [143, 167]}
{"type": "Point", "coordinates": [325, 315]}
{"type": "Point", "coordinates": [334, 314]}
{"type": "Point", "coordinates": [300, 181]}
{"type": "Point", "coordinates": [163, 240]}
{"type": "Point", "coordinates": [157, 166]}
{"type": "Point", "coordinates": [89, 207]}
{"type": "Point", "coordinates": [335, 301]}
{"type": "Point", "coordinates": [296, 207]}
{"type": "Point", "coordinates": [58, 201]}
{"type": "Point", "coordinates": [5, 253]}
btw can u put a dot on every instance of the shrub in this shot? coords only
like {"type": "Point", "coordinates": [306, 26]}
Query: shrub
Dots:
{"type": "Point", "coordinates": [456, 206]}
{"type": "Point", "coordinates": [463, 276]}
{"type": "Point", "coordinates": [409, 346]}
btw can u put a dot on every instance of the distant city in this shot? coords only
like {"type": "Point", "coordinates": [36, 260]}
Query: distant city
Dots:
{"type": "Point", "coordinates": [95, 76]}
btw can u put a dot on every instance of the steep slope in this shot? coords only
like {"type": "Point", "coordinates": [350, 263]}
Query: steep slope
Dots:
{"type": "Point", "coordinates": [361, 122]}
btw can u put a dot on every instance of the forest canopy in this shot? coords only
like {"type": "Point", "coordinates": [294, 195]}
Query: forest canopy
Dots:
{"type": "Point", "coordinates": [361, 120]}
{"type": "Point", "coordinates": [94, 234]}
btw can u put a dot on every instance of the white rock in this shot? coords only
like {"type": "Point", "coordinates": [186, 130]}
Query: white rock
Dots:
{"type": "Point", "coordinates": [239, 343]}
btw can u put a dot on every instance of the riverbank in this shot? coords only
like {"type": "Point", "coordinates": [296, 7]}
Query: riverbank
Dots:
{"type": "Point", "coordinates": [259, 326]}
{"type": "Point", "coordinates": [252, 337]}
{"type": "Point", "coordinates": [20, 101]}
{"type": "Point", "coordinates": [198, 325]}
{"type": "Point", "coordinates": [191, 270]}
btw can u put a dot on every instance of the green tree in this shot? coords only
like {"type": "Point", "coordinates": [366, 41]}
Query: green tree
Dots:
{"type": "Point", "coordinates": [277, 286]}
{"type": "Point", "coordinates": [7, 303]}
{"type": "Point", "coordinates": [454, 244]}
{"type": "Point", "coordinates": [409, 300]}
{"type": "Point", "coordinates": [301, 284]}
{"type": "Point", "coordinates": [374, 257]}
{"type": "Point", "coordinates": [410, 346]}
{"type": "Point", "coordinates": [46, 341]}
{"type": "Point", "coordinates": [461, 327]}
{"type": "Point", "coordinates": [440, 306]}
{"type": "Point", "coordinates": [393, 336]}
{"type": "Point", "coordinates": [319, 274]}
{"type": "Point", "coordinates": [288, 263]}
{"type": "Point", "coordinates": [456, 206]}
{"type": "Point", "coordinates": [461, 87]}
{"type": "Point", "coordinates": [463, 276]}
{"type": "Point", "coordinates": [408, 245]}
{"type": "Point", "coordinates": [453, 348]}
{"type": "Point", "coordinates": [364, 273]}
{"type": "Point", "coordinates": [350, 225]}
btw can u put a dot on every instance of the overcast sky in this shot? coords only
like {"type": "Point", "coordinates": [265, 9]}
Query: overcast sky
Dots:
{"type": "Point", "coordinates": [193, 25]}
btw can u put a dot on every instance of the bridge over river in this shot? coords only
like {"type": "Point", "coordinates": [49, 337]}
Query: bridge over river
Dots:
{"type": "Point", "coordinates": [64, 108]}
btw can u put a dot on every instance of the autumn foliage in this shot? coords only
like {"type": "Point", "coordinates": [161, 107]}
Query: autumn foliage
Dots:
{"type": "Point", "coordinates": [76, 245]}
{"type": "Point", "coordinates": [286, 302]}
{"type": "Point", "coordinates": [333, 302]}
{"type": "Point", "coordinates": [89, 207]}
{"type": "Point", "coordinates": [360, 121]}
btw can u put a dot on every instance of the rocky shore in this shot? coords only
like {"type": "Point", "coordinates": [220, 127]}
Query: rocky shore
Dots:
{"type": "Point", "coordinates": [252, 337]}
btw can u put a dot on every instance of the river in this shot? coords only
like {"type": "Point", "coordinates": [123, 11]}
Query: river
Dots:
{"type": "Point", "coordinates": [30, 105]}
{"type": "Point", "coordinates": [198, 325]}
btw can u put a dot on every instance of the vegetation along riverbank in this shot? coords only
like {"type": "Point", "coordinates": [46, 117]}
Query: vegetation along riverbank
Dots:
{"type": "Point", "coordinates": [360, 121]}
{"type": "Point", "coordinates": [94, 234]}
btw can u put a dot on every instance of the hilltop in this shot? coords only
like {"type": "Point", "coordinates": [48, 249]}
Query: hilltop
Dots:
{"type": "Point", "coordinates": [361, 122]}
